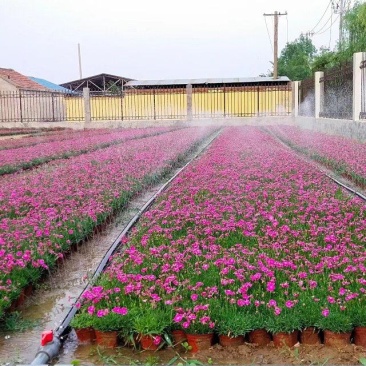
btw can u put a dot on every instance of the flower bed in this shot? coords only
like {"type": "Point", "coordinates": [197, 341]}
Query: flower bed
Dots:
{"type": "Point", "coordinates": [25, 157]}
{"type": "Point", "coordinates": [249, 237]}
{"type": "Point", "coordinates": [45, 210]}
{"type": "Point", "coordinates": [24, 130]}
{"type": "Point", "coordinates": [346, 156]}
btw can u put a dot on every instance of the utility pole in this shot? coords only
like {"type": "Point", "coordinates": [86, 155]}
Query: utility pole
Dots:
{"type": "Point", "coordinates": [341, 8]}
{"type": "Point", "coordinates": [80, 70]}
{"type": "Point", "coordinates": [276, 14]}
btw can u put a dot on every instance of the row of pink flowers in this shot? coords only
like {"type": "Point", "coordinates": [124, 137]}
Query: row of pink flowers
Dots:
{"type": "Point", "coordinates": [44, 210]}
{"type": "Point", "coordinates": [80, 143]}
{"type": "Point", "coordinates": [348, 154]}
{"type": "Point", "coordinates": [249, 229]}
{"type": "Point", "coordinates": [28, 130]}
{"type": "Point", "coordinates": [50, 136]}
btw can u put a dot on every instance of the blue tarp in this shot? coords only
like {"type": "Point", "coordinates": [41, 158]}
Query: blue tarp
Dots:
{"type": "Point", "coordinates": [51, 86]}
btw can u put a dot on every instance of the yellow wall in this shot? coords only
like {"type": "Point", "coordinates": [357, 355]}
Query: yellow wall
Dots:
{"type": "Point", "coordinates": [139, 104]}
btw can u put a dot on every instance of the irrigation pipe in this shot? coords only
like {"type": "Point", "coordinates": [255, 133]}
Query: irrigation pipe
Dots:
{"type": "Point", "coordinates": [346, 187]}
{"type": "Point", "coordinates": [52, 348]}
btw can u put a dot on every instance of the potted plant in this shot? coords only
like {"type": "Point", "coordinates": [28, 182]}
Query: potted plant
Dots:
{"type": "Point", "coordinates": [150, 324]}
{"type": "Point", "coordinates": [284, 327]}
{"type": "Point", "coordinates": [232, 325]}
{"type": "Point", "coordinates": [107, 328]}
{"type": "Point", "coordinates": [198, 326]}
{"type": "Point", "coordinates": [83, 325]}
{"type": "Point", "coordinates": [337, 327]}
{"type": "Point", "coordinates": [178, 334]}
{"type": "Point", "coordinates": [309, 315]}
{"type": "Point", "coordinates": [358, 317]}
{"type": "Point", "coordinates": [259, 334]}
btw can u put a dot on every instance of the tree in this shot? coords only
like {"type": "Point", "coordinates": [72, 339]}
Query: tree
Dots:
{"type": "Point", "coordinates": [354, 40]}
{"type": "Point", "coordinates": [355, 27]}
{"type": "Point", "coordinates": [296, 59]}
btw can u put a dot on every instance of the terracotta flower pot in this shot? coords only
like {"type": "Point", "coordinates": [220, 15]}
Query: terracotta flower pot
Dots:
{"type": "Point", "coordinates": [282, 339]}
{"type": "Point", "coordinates": [336, 339]}
{"type": "Point", "coordinates": [360, 336]}
{"type": "Point", "coordinates": [226, 341]}
{"type": "Point", "coordinates": [106, 339]}
{"type": "Point", "coordinates": [28, 290]}
{"type": "Point", "coordinates": [310, 335]}
{"type": "Point", "coordinates": [260, 337]}
{"type": "Point", "coordinates": [85, 335]}
{"type": "Point", "coordinates": [179, 336]}
{"type": "Point", "coordinates": [199, 342]}
{"type": "Point", "coordinates": [148, 342]}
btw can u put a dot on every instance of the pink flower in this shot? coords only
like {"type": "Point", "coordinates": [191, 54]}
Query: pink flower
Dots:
{"type": "Point", "coordinates": [91, 310]}
{"type": "Point", "coordinates": [271, 286]}
{"type": "Point", "coordinates": [194, 297]}
{"type": "Point", "coordinates": [178, 318]}
{"type": "Point", "coordinates": [242, 302]}
{"type": "Point", "coordinates": [325, 312]}
{"type": "Point", "coordinates": [272, 303]}
{"type": "Point", "coordinates": [289, 304]}
{"type": "Point", "coordinates": [121, 311]}
{"type": "Point", "coordinates": [102, 312]}
{"type": "Point", "coordinates": [157, 340]}
{"type": "Point", "coordinates": [277, 310]}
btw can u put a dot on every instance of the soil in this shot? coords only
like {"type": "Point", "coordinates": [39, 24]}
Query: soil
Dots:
{"type": "Point", "coordinates": [246, 354]}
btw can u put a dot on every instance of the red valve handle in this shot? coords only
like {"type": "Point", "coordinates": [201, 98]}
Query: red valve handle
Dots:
{"type": "Point", "coordinates": [47, 337]}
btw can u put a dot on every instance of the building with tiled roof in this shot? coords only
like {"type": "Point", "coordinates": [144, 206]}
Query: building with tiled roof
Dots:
{"type": "Point", "coordinates": [11, 80]}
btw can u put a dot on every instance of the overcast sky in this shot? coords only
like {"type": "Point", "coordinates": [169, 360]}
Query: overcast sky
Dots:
{"type": "Point", "coordinates": [152, 39]}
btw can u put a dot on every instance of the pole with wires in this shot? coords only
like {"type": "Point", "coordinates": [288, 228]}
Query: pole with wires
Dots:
{"type": "Point", "coordinates": [276, 14]}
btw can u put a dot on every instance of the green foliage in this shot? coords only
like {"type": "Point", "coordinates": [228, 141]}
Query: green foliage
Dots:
{"type": "Point", "coordinates": [337, 321]}
{"type": "Point", "coordinates": [110, 322]}
{"type": "Point", "coordinates": [14, 322]}
{"type": "Point", "coordinates": [355, 25]}
{"type": "Point", "coordinates": [358, 314]}
{"type": "Point", "coordinates": [151, 321]}
{"type": "Point", "coordinates": [300, 59]}
{"type": "Point", "coordinates": [296, 58]}
{"type": "Point", "coordinates": [233, 322]}
{"type": "Point", "coordinates": [287, 321]}
{"type": "Point", "coordinates": [81, 321]}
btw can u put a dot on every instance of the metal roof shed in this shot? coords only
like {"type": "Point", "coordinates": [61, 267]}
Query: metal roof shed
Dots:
{"type": "Point", "coordinates": [207, 82]}
{"type": "Point", "coordinates": [101, 83]}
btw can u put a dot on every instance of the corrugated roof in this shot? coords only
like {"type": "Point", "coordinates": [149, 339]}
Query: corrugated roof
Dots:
{"type": "Point", "coordinates": [94, 77]}
{"type": "Point", "coordinates": [19, 80]}
{"type": "Point", "coordinates": [49, 85]}
{"type": "Point", "coordinates": [206, 81]}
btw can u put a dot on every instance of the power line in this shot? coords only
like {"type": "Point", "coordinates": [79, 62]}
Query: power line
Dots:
{"type": "Point", "coordinates": [329, 26]}
{"type": "Point", "coordinates": [276, 16]}
{"type": "Point", "coordinates": [269, 36]}
{"type": "Point", "coordinates": [325, 11]}
{"type": "Point", "coordinates": [324, 25]}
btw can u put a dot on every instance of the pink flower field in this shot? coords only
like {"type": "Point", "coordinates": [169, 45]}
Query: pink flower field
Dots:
{"type": "Point", "coordinates": [29, 156]}
{"type": "Point", "coordinates": [45, 210]}
{"type": "Point", "coordinates": [247, 237]}
{"type": "Point", "coordinates": [346, 156]}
